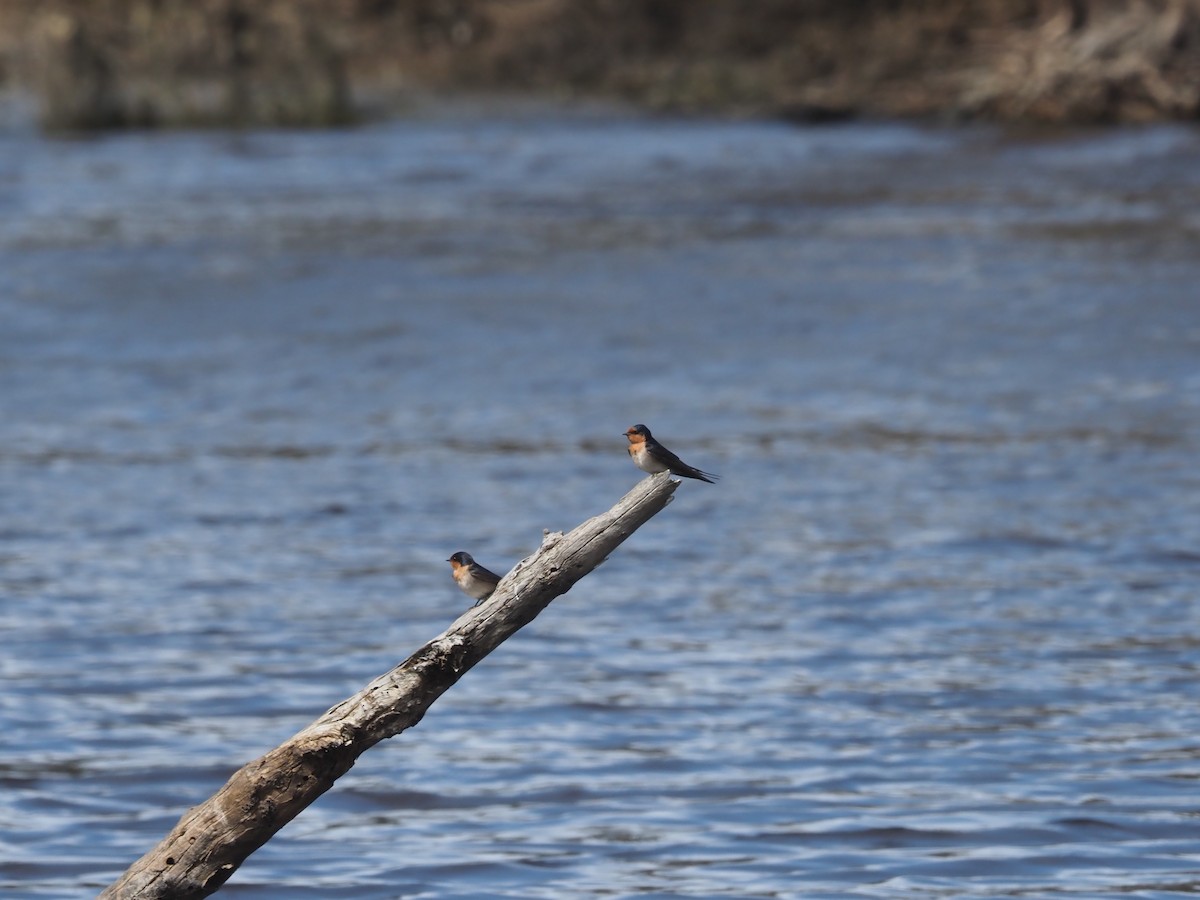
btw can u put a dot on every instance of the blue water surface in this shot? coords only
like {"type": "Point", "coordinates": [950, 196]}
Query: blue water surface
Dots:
{"type": "Point", "coordinates": [934, 634]}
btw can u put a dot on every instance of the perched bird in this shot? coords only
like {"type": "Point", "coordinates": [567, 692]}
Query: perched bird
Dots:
{"type": "Point", "coordinates": [651, 456]}
{"type": "Point", "coordinates": [474, 579]}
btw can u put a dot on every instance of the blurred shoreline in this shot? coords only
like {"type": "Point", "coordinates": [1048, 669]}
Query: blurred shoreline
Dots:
{"type": "Point", "coordinates": [97, 64]}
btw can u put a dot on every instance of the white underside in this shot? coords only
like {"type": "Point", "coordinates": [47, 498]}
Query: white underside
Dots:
{"type": "Point", "coordinates": [471, 586]}
{"type": "Point", "coordinates": [645, 461]}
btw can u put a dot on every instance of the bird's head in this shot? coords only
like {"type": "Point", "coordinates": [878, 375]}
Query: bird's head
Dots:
{"type": "Point", "coordinates": [637, 434]}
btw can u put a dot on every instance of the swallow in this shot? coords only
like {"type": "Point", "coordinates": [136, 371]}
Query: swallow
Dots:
{"type": "Point", "coordinates": [474, 579]}
{"type": "Point", "coordinates": [651, 456]}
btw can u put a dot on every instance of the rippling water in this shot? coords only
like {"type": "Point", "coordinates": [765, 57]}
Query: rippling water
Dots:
{"type": "Point", "coordinates": [935, 633]}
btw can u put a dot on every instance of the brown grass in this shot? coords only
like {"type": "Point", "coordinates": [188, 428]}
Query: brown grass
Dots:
{"type": "Point", "coordinates": [98, 62]}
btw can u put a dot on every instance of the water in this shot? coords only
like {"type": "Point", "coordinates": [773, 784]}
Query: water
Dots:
{"type": "Point", "coordinates": [933, 635]}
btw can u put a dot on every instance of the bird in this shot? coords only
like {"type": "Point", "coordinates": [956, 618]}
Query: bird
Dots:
{"type": "Point", "coordinates": [651, 456]}
{"type": "Point", "coordinates": [474, 579]}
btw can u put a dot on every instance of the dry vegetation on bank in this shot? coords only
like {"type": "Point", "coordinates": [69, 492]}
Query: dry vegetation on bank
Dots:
{"type": "Point", "coordinates": [106, 63]}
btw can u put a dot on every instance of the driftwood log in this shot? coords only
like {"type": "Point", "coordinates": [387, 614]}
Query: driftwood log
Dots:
{"type": "Point", "coordinates": [211, 840]}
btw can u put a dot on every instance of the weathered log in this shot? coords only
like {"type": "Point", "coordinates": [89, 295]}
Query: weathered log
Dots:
{"type": "Point", "coordinates": [211, 840]}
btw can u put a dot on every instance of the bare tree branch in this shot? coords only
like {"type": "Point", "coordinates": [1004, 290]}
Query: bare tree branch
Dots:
{"type": "Point", "coordinates": [211, 840]}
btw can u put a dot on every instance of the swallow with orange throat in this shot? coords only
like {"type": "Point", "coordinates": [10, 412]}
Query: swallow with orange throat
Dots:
{"type": "Point", "coordinates": [474, 579]}
{"type": "Point", "coordinates": [651, 456]}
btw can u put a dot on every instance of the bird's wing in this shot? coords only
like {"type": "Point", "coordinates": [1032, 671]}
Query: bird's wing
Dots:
{"type": "Point", "coordinates": [666, 457]}
{"type": "Point", "coordinates": [675, 464]}
{"type": "Point", "coordinates": [484, 574]}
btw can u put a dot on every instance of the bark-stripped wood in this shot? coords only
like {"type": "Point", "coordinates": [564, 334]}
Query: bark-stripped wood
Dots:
{"type": "Point", "coordinates": [213, 839]}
